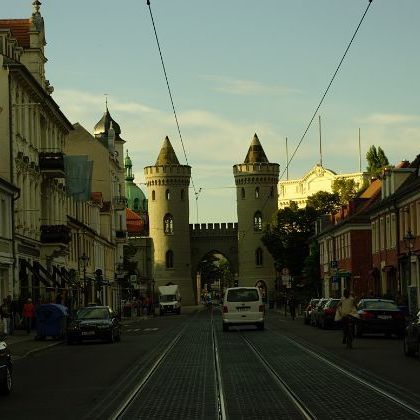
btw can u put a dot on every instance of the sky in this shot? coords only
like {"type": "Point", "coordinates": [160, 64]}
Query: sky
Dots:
{"type": "Point", "coordinates": [236, 68]}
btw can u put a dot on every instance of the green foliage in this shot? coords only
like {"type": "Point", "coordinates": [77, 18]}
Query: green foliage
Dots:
{"type": "Point", "coordinates": [312, 277]}
{"type": "Point", "coordinates": [346, 189]}
{"type": "Point", "coordinates": [286, 238]}
{"type": "Point", "coordinates": [324, 202]}
{"type": "Point", "coordinates": [377, 160]}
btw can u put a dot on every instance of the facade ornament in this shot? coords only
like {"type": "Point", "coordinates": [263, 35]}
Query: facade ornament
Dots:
{"type": "Point", "coordinates": [36, 4]}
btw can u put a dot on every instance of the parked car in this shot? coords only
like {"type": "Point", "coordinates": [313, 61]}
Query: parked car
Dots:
{"type": "Point", "coordinates": [6, 367]}
{"type": "Point", "coordinates": [327, 313]}
{"type": "Point", "coordinates": [317, 310]}
{"type": "Point", "coordinates": [309, 308]}
{"type": "Point", "coordinates": [94, 323]}
{"type": "Point", "coordinates": [243, 306]}
{"type": "Point", "coordinates": [379, 316]}
{"type": "Point", "coordinates": [412, 337]}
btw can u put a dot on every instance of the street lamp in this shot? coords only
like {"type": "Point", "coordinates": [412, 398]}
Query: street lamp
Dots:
{"type": "Point", "coordinates": [84, 260]}
{"type": "Point", "coordinates": [120, 275]}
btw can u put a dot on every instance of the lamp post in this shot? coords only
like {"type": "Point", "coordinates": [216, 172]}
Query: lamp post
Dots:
{"type": "Point", "coordinates": [409, 239]}
{"type": "Point", "coordinates": [120, 275]}
{"type": "Point", "coordinates": [84, 260]}
{"type": "Point", "coordinates": [153, 297]}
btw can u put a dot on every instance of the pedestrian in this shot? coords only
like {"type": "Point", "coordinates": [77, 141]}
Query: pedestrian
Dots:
{"type": "Point", "coordinates": [28, 314]}
{"type": "Point", "coordinates": [292, 307]}
{"type": "Point", "coordinates": [5, 312]}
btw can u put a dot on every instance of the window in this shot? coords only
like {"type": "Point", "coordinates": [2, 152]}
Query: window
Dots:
{"type": "Point", "coordinates": [259, 257]}
{"type": "Point", "coordinates": [167, 195]}
{"type": "Point", "coordinates": [153, 195]}
{"type": "Point", "coordinates": [272, 192]}
{"type": "Point", "coordinates": [257, 192]}
{"type": "Point", "coordinates": [243, 193]}
{"type": "Point", "coordinates": [168, 224]}
{"type": "Point", "coordinates": [258, 221]}
{"type": "Point", "coordinates": [169, 259]}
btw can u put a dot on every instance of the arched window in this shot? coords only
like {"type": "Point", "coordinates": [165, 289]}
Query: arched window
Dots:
{"type": "Point", "coordinates": [136, 204]}
{"type": "Point", "coordinates": [258, 221]}
{"type": "Point", "coordinates": [168, 195]}
{"type": "Point", "coordinates": [169, 259]}
{"type": "Point", "coordinates": [257, 192]}
{"type": "Point", "coordinates": [168, 224]}
{"type": "Point", "coordinates": [259, 257]}
{"type": "Point", "coordinates": [182, 194]}
{"type": "Point", "coordinates": [153, 195]}
{"type": "Point", "coordinates": [243, 193]}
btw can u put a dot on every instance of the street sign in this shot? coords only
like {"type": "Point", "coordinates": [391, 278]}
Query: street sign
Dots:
{"type": "Point", "coordinates": [333, 264]}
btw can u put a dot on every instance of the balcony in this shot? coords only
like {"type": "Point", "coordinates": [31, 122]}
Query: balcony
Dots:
{"type": "Point", "coordinates": [120, 202]}
{"type": "Point", "coordinates": [55, 234]}
{"type": "Point", "coordinates": [52, 164]}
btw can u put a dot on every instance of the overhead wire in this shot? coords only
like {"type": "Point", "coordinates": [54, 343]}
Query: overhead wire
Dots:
{"type": "Point", "coordinates": [327, 89]}
{"type": "Point", "coordinates": [170, 93]}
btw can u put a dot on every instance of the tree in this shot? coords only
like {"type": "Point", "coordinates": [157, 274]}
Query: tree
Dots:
{"type": "Point", "coordinates": [312, 275]}
{"type": "Point", "coordinates": [287, 236]}
{"type": "Point", "coordinates": [324, 202]}
{"type": "Point", "coordinates": [345, 189]}
{"type": "Point", "coordinates": [377, 161]}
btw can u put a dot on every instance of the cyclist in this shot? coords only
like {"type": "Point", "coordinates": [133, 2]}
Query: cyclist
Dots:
{"type": "Point", "coordinates": [347, 309]}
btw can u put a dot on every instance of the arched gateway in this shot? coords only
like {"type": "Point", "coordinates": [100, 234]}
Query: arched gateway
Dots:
{"type": "Point", "coordinates": [178, 247]}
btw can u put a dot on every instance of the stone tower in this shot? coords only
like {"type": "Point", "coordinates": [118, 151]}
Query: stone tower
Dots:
{"type": "Point", "coordinates": [256, 194]}
{"type": "Point", "coordinates": [167, 188]}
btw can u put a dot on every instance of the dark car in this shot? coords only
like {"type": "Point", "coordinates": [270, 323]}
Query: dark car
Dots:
{"type": "Point", "coordinates": [316, 311]}
{"type": "Point", "coordinates": [412, 337]}
{"type": "Point", "coordinates": [327, 313]}
{"type": "Point", "coordinates": [6, 367]}
{"type": "Point", "coordinates": [379, 316]}
{"type": "Point", "coordinates": [94, 323]}
{"type": "Point", "coordinates": [309, 308]}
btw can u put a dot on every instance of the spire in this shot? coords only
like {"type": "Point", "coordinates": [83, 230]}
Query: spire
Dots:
{"type": "Point", "coordinates": [167, 154]}
{"type": "Point", "coordinates": [256, 153]}
{"type": "Point", "coordinates": [128, 169]}
{"type": "Point", "coordinates": [36, 4]}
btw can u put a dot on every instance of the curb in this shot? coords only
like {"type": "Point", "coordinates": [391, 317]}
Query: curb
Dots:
{"type": "Point", "coordinates": [33, 351]}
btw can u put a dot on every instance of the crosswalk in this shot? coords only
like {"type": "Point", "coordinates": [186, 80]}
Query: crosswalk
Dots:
{"type": "Point", "coordinates": [140, 329]}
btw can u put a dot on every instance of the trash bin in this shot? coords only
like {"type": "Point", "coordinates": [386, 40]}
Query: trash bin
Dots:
{"type": "Point", "coordinates": [51, 321]}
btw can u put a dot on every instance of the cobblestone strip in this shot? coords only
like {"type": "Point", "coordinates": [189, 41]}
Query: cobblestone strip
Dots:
{"type": "Point", "coordinates": [326, 390]}
{"type": "Point", "coordinates": [250, 392]}
{"type": "Point", "coordinates": [183, 387]}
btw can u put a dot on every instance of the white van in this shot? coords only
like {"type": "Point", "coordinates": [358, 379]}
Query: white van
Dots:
{"type": "Point", "coordinates": [243, 306]}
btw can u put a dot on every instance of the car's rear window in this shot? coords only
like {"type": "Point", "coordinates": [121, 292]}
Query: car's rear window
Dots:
{"type": "Point", "coordinates": [242, 295]}
{"type": "Point", "coordinates": [380, 305]}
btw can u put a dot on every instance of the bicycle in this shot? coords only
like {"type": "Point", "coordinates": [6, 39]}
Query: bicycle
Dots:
{"type": "Point", "coordinates": [348, 326]}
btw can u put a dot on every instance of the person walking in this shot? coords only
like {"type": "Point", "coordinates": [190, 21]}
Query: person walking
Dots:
{"type": "Point", "coordinates": [28, 314]}
{"type": "Point", "coordinates": [292, 307]}
{"type": "Point", "coordinates": [346, 308]}
{"type": "Point", "coordinates": [5, 312]}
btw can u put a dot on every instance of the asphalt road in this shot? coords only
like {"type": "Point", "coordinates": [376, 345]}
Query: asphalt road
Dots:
{"type": "Point", "coordinates": [77, 382]}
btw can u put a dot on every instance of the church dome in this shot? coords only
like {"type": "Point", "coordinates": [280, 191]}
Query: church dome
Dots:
{"type": "Point", "coordinates": [104, 124]}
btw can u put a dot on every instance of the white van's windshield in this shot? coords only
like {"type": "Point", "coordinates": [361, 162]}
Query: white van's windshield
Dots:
{"type": "Point", "coordinates": [242, 295]}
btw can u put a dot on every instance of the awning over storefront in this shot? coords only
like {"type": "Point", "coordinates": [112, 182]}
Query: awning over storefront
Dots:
{"type": "Point", "coordinates": [40, 273]}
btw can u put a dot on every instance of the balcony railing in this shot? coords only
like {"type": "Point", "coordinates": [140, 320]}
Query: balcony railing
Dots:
{"type": "Point", "coordinates": [120, 202]}
{"type": "Point", "coordinates": [121, 234]}
{"type": "Point", "coordinates": [52, 234]}
{"type": "Point", "coordinates": [52, 164]}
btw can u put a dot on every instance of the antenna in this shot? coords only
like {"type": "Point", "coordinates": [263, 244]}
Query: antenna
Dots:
{"type": "Point", "coordinates": [360, 154]}
{"type": "Point", "coordinates": [287, 161]}
{"type": "Point", "coordinates": [320, 141]}
{"type": "Point", "coordinates": [106, 100]}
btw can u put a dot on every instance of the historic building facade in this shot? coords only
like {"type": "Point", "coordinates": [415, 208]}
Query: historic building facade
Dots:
{"type": "Point", "coordinates": [315, 180]}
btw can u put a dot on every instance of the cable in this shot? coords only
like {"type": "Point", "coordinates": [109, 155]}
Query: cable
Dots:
{"type": "Point", "coordinates": [169, 91]}
{"type": "Point", "coordinates": [328, 88]}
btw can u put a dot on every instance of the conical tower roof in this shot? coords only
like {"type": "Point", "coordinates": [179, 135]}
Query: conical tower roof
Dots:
{"type": "Point", "coordinates": [103, 125]}
{"type": "Point", "coordinates": [167, 154]}
{"type": "Point", "coordinates": [256, 153]}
